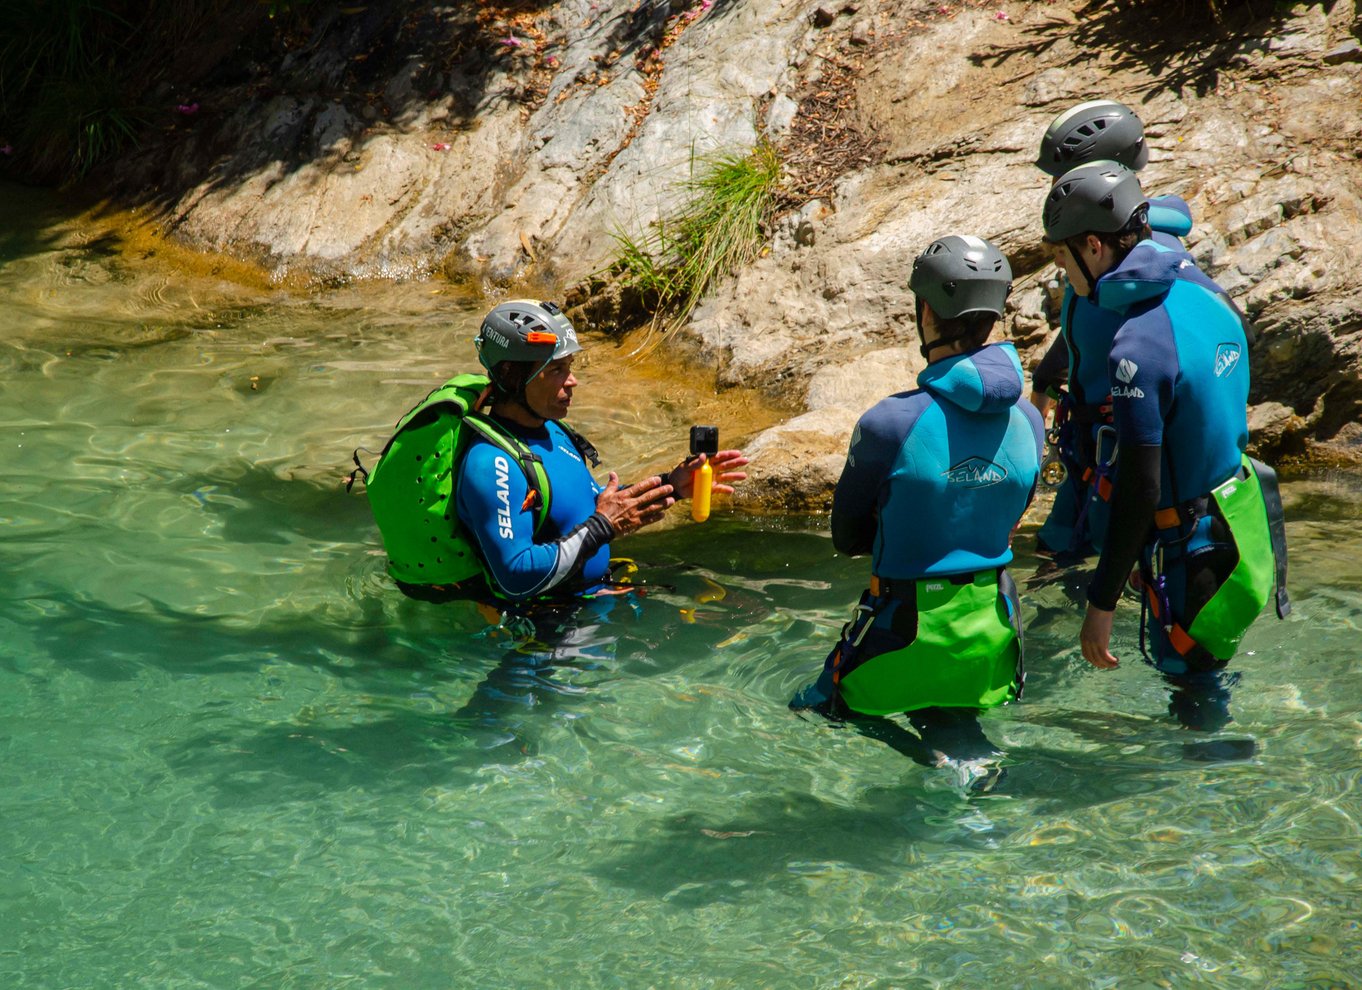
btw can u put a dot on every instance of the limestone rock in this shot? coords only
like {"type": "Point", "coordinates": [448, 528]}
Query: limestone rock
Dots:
{"type": "Point", "coordinates": [1349, 51]}
{"type": "Point", "coordinates": [1275, 431]}
{"type": "Point", "coordinates": [536, 186]}
{"type": "Point", "coordinates": [796, 465]}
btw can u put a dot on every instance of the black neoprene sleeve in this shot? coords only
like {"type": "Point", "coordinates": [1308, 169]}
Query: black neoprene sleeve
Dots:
{"type": "Point", "coordinates": [1134, 495]}
{"type": "Point", "coordinates": [1053, 369]}
{"type": "Point", "coordinates": [852, 535]}
{"type": "Point", "coordinates": [578, 546]}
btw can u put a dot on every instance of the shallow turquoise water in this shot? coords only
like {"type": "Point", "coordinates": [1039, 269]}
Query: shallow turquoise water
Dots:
{"type": "Point", "coordinates": [233, 756]}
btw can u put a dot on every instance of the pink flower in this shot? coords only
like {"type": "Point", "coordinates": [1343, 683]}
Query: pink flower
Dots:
{"type": "Point", "coordinates": [943, 9]}
{"type": "Point", "coordinates": [551, 61]}
{"type": "Point", "coordinates": [439, 146]}
{"type": "Point", "coordinates": [187, 109]}
{"type": "Point", "coordinates": [511, 41]}
{"type": "Point", "coordinates": [5, 149]}
{"type": "Point", "coordinates": [1000, 16]}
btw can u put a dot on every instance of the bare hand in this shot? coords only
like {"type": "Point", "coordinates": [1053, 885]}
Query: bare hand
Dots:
{"type": "Point", "coordinates": [682, 477]}
{"type": "Point", "coordinates": [632, 508]}
{"type": "Point", "coordinates": [1095, 638]}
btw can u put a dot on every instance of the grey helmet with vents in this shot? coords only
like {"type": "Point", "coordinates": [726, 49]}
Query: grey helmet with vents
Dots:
{"type": "Point", "coordinates": [958, 275]}
{"type": "Point", "coordinates": [525, 330]}
{"type": "Point", "coordinates": [1099, 130]}
{"type": "Point", "coordinates": [1100, 197]}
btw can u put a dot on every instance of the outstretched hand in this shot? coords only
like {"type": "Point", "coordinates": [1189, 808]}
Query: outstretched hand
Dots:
{"type": "Point", "coordinates": [724, 465]}
{"type": "Point", "coordinates": [641, 504]}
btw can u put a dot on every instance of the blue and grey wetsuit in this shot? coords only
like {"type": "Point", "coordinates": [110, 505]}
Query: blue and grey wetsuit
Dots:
{"type": "Point", "coordinates": [934, 483]}
{"type": "Point", "coordinates": [571, 553]}
{"type": "Point", "coordinates": [1179, 385]}
{"type": "Point", "coordinates": [1077, 519]}
{"type": "Point", "coordinates": [936, 478]}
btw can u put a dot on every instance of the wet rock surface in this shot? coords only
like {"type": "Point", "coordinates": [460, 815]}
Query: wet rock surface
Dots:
{"type": "Point", "coordinates": [518, 153]}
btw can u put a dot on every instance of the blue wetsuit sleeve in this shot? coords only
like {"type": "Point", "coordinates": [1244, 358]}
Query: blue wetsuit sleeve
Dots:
{"type": "Point", "coordinates": [492, 490]}
{"type": "Point", "coordinates": [875, 444]}
{"type": "Point", "coordinates": [1143, 370]}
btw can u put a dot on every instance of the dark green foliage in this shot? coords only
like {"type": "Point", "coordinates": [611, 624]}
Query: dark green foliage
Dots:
{"type": "Point", "coordinates": [1214, 10]}
{"type": "Point", "coordinates": [75, 74]}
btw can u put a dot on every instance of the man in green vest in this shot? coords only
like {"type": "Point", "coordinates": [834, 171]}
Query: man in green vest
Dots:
{"type": "Point", "coordinates": [484, 487]}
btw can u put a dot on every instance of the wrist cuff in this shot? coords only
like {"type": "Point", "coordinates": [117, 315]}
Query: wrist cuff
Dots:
{"type": "Point", "coordinates": [1097, 600]}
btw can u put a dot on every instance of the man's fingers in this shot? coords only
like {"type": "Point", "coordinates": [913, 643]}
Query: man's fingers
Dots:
{"type": "Point", "coordinates": [1099, 658]}
{"type": "Point", "coordinates": [649, 491]}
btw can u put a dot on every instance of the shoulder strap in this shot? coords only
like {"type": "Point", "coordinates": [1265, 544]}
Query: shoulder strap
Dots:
{"type": "Point", "coordinates": [583, 445]}
{"type": "Point", "coordinates": [536, 478]}
{"type": "Point", "coordinates": [1276, 528]}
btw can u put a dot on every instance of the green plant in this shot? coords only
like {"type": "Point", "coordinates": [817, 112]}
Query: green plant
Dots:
{"type": "Point", "coordinates": [719, 228]}
{"type": "Point", "coordinates": [76, 75]}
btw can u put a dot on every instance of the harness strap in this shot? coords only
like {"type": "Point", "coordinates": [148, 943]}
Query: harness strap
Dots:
{"type": "Point", "coordinates": [905, 589]}
{"type": "Point", "coordinates": [852, 634]}
{"type": "Point", "coordinates": [531, 464]}
{"type": "Point", "coordinates": [583, 445]}
{"type": "Point", "coordinates": [1276, 528]}
{"type": "Point", "coordinates": [1008, 589]}
{"type": "Point", "coordinates": [1103, 482]}
{"type": "Point", "coordinates": [1177, 636]}
{"type": "Point", "coordinates": [1089, 413]}
{"type": "Point", "coordinates": [1186, 514]}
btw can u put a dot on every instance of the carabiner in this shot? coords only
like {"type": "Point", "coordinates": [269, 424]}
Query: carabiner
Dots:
{"type": "Point", "coordinates": [1097, 452]}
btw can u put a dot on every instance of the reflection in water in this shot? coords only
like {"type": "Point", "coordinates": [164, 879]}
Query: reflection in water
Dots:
{"type": "Point", "coordinates": [235, 756]}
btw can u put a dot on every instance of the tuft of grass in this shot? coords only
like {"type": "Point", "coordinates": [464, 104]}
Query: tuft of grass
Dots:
{"type": "Point", "coordinates": [720, 227]}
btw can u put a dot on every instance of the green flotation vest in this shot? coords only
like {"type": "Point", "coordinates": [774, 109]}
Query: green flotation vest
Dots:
{"type": "Point", "coordinates": [966, 650]}
{"type": "Point", "coordinates": [412, 487]}
{"type": "Point", "coordinates": [1251, 506]}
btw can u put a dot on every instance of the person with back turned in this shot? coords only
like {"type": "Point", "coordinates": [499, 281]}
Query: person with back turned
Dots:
{"type": "Point", "coordinates": [935, 481]}
{"type": "Point", "coordinates": [1202, 520]}
{"type": "Point", "coordinates": [1074, 368]}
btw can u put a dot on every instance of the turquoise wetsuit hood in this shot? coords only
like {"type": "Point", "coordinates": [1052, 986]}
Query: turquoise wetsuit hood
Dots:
{"type": "Point", "coordinates": [1172, 216]}
{"type": "Point", "coordinates": [987, 380]}
{"type": "Point", "coordinates": [1145, 274]}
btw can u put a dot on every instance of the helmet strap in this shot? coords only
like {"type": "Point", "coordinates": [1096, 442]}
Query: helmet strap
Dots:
{"type": "Point", "coordinates": [924, 348]}
{"type": "Point", "coordinates": [513, 396]}
{"type": "Point", "coordinates": [1073, 243]}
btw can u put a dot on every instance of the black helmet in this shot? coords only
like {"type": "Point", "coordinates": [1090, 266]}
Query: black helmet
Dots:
{"type": "Point", "coordinates": [1100, 130]}
{"type": "Point", "coordinates": [524, 330]}
{"type": "Point", "coordinates": [1100, 197]}
{"type": "Point", "coordinates": [960, 275]}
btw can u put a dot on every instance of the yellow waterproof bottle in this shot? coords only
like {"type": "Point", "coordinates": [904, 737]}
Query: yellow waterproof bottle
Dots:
{"type": "Point", "coordinates": [703, 478]}
{"type": "Point", "coordinates": [703, 440]}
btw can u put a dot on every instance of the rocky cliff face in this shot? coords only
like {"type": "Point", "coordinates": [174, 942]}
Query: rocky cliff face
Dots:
{"type": "Point", "coordinates": [516, 153]}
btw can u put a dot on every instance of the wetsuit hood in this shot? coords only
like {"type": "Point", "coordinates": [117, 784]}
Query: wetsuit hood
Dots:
{"type": "Point", "coordinates": [987, 380]}
{"type": "Point", "coordinates": [1146, 273]}
{"type": "Point", "coordinates": [1170, 215]}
